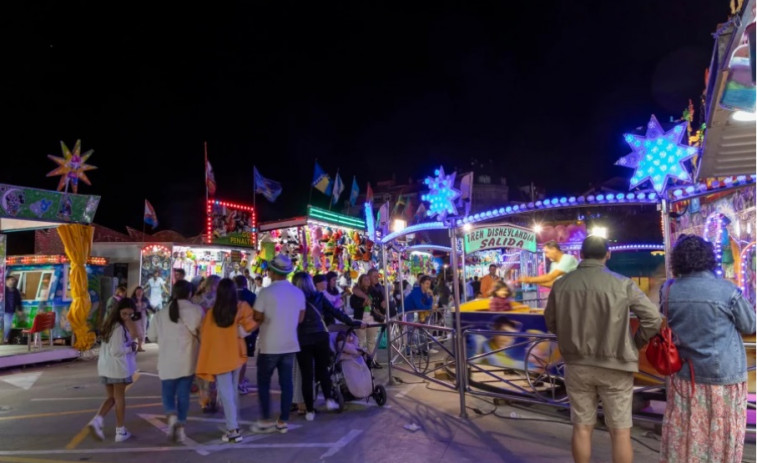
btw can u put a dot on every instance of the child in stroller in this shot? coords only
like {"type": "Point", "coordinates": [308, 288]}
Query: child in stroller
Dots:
{"type": "Point", "coordinates": [350, 372]}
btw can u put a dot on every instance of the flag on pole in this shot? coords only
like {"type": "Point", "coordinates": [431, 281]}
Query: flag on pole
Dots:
{"type": "Point", "coordinates": [151, 218]}
{"type": "Point", "coordinates": [210, 179]}
{"type": "Point", "coordinates": [420, 213]}
{"type": "Point", "coordinates": [382, 218]}
{"type": "Point", "coordinates": [354, 192]}
{"type": "Point", "coordinates": [321, 180]}
{"type": "Point", "coordinates": [270, 189]}
{"type": "Point", "coordinates": [338, 188]}
{"type": "Point", "coordinates": [368, 193]}
{"type": "Point", "coordinates": [466, 192]}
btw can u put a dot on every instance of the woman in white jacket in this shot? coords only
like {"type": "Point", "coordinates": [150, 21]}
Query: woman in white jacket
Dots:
{"type": "Point", "coordinates": [115, 366]}
{"type": "Point", "coordinates": [177, 330]}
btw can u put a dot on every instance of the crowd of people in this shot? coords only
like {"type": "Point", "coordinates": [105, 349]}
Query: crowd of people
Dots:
{"type": "Point", "coordinates": [203, 342]}
{"type": "Point", "coordinates": [203, 339]}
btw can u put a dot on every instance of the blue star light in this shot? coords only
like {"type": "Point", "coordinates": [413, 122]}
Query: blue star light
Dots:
{"type": "Point", "coordinates": [658, 156]}
{"type": "Point", "coordinates": [441, 195]}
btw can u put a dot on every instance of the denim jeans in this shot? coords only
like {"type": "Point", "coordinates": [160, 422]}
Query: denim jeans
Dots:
{"type": "Point", "coordinates": [175, 394]}
{"type": "Point", "coordinates": [227, 384]}
{"type": "Point", "coordinates": [283, 363]}
{"type": "Point", "coordinates": [7, 322]}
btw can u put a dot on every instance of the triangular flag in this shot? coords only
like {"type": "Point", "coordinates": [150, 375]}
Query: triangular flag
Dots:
{"type": "Point", "coordinates": [368, 193]}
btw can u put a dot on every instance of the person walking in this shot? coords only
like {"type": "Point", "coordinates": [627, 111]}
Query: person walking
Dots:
{"type": "Point", "coordinates": [315, 344]}
{"type": "Point", "coordinates": [705, 415]}
{"type": "Point", "coordinates": [589, 310]}
{"type": "Point", "coordinates": [279, 308]}
{"type": "Point", "coordinates": [143, 307]}
{"type": "Point", "coordinates": [115, 366]}
{"type": "Point", "coordinates": [177, 331]}
{"type": "Point", "coordinates": [12, 306]}
{"type": "Point", "coordinates": [223, 351]}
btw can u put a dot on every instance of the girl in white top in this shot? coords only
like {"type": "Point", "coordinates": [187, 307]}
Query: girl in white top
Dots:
{"type": "Point", "coordinates": [115, 366]}
{"type": "Point", "coordinates": [177, 331]}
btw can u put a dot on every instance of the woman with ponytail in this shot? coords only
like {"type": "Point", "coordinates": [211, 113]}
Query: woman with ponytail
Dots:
{"type": "Point", "coordinates": [176, 330]}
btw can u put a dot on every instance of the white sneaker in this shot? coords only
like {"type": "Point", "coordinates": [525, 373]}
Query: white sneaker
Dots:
{"type": "Point", "coordinates": [172, 428]}
{"type": "Point", "coordinates": [261, 426]}
{"type": "Point", "coordinates": [331, 405]}
{"type": "Point", "coordinates": [96, 428]}
{"type": "Point", "coordinates": [310, 416]}
{"type": "Point", "coordinates": [122, 434]}
{"type": "Point", "coordinates": [181, 436]}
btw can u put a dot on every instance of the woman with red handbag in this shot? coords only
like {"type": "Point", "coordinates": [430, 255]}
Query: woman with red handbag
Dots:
{"type": "Point", "coordinates": [705, 417]}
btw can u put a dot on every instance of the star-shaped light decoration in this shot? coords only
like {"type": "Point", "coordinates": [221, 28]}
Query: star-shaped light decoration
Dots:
{"type": "Point", "coordinates": [71, 166]}
{"type": "Point", "coordinates": [441, 195]}
{"type": "Point", "coordinates": [658, 156]}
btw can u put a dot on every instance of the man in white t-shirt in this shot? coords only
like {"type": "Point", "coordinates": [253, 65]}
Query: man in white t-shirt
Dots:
{"type": "Point", "coordinates": [562, 264]}
{"type": "Point", "coordinates": [279, 308]}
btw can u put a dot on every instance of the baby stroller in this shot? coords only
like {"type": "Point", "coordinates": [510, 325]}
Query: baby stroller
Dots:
{"type": "Point", "coordinates": [351, 375]}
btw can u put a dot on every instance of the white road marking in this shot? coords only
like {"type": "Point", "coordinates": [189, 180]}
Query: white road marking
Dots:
{"type": "Point", "coordinates": [153, 420]}
{"type": "Point", "coordinates": [341, 443]}
{"type": "Point", "coordinates": [23, 380]}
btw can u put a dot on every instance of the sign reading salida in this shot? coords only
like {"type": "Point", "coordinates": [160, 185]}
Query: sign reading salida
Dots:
{"type": "Point", "coordinates": [507, 236]}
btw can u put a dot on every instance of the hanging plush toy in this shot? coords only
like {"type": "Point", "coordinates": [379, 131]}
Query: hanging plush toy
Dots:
{"type": "Point", "coordinates": [316, 250]}
{"type": "Point", "coordinates": [367, 254]}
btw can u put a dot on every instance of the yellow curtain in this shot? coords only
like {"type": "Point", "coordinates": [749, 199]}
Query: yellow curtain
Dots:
{"type": "Point", "coordinates": [77, 240]}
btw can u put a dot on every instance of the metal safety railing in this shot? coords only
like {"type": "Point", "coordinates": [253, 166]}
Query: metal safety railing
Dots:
{"type": "Point", "coordinates": [411, 349]}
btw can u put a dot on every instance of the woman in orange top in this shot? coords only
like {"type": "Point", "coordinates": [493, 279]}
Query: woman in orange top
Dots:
{"type": "Point", "coordinates": [223, 351]}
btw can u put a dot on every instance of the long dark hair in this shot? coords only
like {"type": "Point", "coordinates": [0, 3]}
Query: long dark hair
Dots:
{"type": "Point", "coordinates": [331, 276]}
{"type": "Point", "coordinates": [134, 293]}
{"type": "Point", "coordinates": [182, 289]}
{"type": "Point", "coordinates": [114, 317]}
{"type": "Point", "coordinates": [304, 282]}
{"type": "Point", "coordinates": [225, 307]}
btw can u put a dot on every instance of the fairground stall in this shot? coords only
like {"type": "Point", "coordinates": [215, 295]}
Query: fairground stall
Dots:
{"type": "Point", "coordinates": [23, 208]}
{"type": "Point", "coordinates": [227, 249]}
{"type": "Point", "coordinates": [318, 242]}
{"type": "Point", "coordinates": [43, 281]}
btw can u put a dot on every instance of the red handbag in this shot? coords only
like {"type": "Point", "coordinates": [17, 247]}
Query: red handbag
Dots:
{"type": "Point", "coordinates": [662, 352]}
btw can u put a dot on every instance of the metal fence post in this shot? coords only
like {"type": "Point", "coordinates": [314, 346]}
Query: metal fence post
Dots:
{"type": "Point", "coordinates": [460, 364]}
{"type": "Point", "coordinates": [390, 381]}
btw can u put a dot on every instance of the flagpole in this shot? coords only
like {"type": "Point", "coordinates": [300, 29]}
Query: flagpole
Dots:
{"type": "Point", "coordinates": [143, 219]}
{"type": "Point", "coordinates": [254, 191]}
{"type": "Point", "coordinates": [205, 167]}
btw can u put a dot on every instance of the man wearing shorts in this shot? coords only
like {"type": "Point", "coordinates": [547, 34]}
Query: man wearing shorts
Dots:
{"type": "Point", "coordinates": [589, 311]}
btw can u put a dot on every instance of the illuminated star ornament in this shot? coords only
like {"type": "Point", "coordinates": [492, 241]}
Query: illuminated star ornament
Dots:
{"type": "Point", "coordinates": [71, 167]}
{"type": "Point", "coordinates": [441, 195]}
{"type": "Point", "coordinates": [658, 156]}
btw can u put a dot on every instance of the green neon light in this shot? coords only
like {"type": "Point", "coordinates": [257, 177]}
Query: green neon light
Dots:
{"type": "Point", "coordinates": [333, 217]}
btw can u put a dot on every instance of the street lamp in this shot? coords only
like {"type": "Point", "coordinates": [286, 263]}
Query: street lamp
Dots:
{"type": "Point", "coordinates": [538, 228]}
{"type": "Point", "coordinates": [398, 225]}
{"type": "Point", "coordinates": [599, 231]}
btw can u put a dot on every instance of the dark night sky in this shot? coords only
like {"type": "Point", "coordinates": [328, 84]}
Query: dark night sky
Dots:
{"type": "Point", "coordinates": [543, 89]}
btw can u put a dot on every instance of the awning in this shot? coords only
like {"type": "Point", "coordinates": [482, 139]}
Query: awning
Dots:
{"type": "Point", "coordinates": [729, 141]}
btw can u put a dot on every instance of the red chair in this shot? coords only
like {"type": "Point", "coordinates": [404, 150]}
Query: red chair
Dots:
{"type": "Point", "coordinates": [42, 322]}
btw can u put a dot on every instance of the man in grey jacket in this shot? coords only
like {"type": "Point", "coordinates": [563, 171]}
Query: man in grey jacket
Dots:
{"type": "Point", "coordinates": [589, 310]}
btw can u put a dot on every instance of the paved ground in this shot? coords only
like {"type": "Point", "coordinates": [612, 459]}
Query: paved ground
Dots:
{"type": "Point", "coordinates": [44, 411]}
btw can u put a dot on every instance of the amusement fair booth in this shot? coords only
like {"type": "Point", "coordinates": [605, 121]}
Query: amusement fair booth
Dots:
{"type": "Point", "coordinates": [227, 249]}
{"type": "Point", "coordinates": [319, 242]}
{"type": "Point", "coordinates": [63, 285]}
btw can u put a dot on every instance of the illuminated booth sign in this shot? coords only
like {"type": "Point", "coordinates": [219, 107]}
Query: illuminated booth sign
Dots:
{"type": "Point", "coordinates": [231, 224]}
{"type": "Point", "coordinates": [505, 236]}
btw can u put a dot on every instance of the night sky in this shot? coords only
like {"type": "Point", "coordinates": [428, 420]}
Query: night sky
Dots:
{"type": "Point", "coordinates": [543, 91]}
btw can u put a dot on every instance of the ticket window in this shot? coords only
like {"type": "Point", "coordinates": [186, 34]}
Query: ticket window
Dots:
{"type": "Point", "coordinates": [34, 285]}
